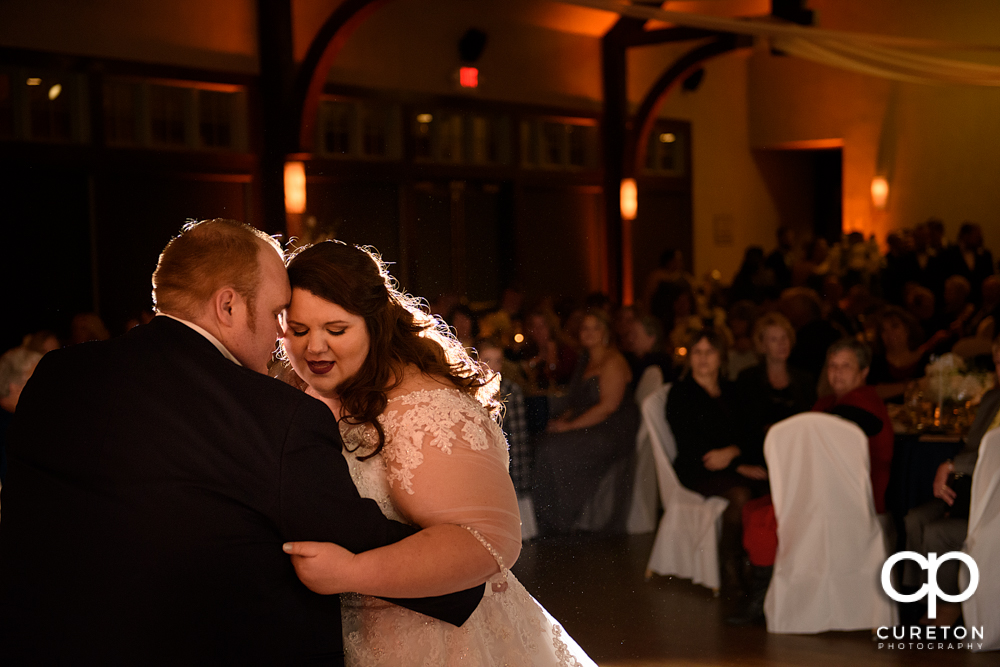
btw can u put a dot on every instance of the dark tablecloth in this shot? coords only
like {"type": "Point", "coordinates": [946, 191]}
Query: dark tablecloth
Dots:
{"type": "Point", "coordinates": [914, 464]}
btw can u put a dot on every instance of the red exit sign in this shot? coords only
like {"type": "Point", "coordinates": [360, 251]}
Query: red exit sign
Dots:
{"type": "Point", "coordinates": [468, 77]}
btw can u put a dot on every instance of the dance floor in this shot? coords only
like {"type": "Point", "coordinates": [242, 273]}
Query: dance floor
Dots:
{"type": "Point", "coordinates": [596, 589]}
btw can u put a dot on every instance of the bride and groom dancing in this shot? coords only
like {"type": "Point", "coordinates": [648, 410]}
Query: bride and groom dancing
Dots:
{"type": "Point", "coordinates": [159, 481]}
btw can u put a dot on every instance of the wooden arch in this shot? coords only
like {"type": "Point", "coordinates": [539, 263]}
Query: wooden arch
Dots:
{"type": "Point", "coordinates": [311, 75]}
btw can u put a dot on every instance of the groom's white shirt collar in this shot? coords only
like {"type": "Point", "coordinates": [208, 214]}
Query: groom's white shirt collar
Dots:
{"type": "Point", "coordinates": [211, 339]}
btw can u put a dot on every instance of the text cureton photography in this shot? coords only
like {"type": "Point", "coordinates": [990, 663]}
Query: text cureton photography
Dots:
{"type": "Point", "coordinates": [930, 637]}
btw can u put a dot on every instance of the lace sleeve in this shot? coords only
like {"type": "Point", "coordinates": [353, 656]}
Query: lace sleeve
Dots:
{"type": "Point", "coordinates": [446, 462]}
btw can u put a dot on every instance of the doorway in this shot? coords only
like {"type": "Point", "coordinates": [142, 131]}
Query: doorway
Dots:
{"type": "Point", "coordinates": [806, 186]}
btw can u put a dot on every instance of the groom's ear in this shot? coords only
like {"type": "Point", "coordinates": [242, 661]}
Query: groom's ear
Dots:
{"type": "Point", "coordinates": [224, 302]}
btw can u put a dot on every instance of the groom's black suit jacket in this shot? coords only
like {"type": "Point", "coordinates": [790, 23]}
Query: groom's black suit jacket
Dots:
{"type": "Point", "coordinates": [151, 484]}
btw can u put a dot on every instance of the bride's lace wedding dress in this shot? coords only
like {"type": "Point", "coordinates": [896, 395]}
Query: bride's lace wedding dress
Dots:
{"type": "Point", "coordinates": [440, 444]}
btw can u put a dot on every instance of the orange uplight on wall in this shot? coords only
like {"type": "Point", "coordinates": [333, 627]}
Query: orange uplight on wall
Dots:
{"type": "Point", "coordinates": [880, 192]}
{"type": "Point", "coordinates": [630, 199]}
{"type": "Point", "coordinates": [468, 77]}
{"type": "Point", "coordinates": [295, 187]}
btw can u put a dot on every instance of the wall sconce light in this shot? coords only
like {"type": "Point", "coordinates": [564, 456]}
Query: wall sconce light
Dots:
{"type": "Point", "coordinates": [295, 187]}
{"type": "Point", "coordinates": [880, 192]}
{"type": "Point", "coordinates": [629, 199]}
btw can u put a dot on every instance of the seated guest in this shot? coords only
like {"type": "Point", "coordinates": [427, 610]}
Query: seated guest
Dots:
{"type": "Point", "coordinates": [968, 258]}
{"type": "Point", "coordinates": [771, 391]}
{"type": "Point", "coordinates": [16, 366]}
{"type": "Point", "coordinates": [922, 304]}
{"type": "Point", "coordinates": [956, 310]}
{"type": "Point", "coordinates": [848, 361]}
{"type": "Point", "coordinates": [41, 341]}
{"type": "Point", "coordinates": [703, 413]}
{"type": "Point", "coordinates": [87, 327]}
{"type": "Point", "coordinates": [666, 277]}
{"type": "Point", "coordinates": [645, 348]}
{"type": "Point", "coordinates": [982, 323]}
{"type": "Point", "coordinates": [549, 359]}
{"type": "Point", "coordinates": [941, 525]}
{"type": "Point", "coordinates": [901, 267]}
{"type": "Point", "coordinates": [754, 281]}
{"type": "Point", "coordinates": [743, 353]}
{"type": "Point", "coordinates": [595, 427]}
{"type": "Point", "coordinates": [847, 366]}
{"type": "Point", "coordinates": [463, 321]}
{"type": "Point", "coordinates": [623, 320]}
{"type": "Point", "coordinates": [841, 309]}
{"type": "Point", "coordinates": [515, 422]}
{"type": "Point", "coordinates": [503, 322]}
{"type": "Point", "coordinates": [810, 270]}
{"type": "Point", "coordinates": [980, 329]}
{"type": "Point", "coordinates": [680, 318]}
{"type": "Point", "coordinates": [814, 335]}
{"type": "Point", "coordinates": [783, 257]}
{"type": "Point", "coordinates": [899, 354]}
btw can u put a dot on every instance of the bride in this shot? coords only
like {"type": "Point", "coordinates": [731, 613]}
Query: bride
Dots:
{"type": "Point", "coordinates": [418, 419]}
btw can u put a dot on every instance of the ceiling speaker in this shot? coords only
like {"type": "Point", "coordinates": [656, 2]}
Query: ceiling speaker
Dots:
{"type": "Point", "coordinates": [471, 45]}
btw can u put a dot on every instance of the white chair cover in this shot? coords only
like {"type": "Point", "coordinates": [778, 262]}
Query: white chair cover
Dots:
{"type": "Point", "coordinates": [686, 543]}
{"type": "Point", "coordinates": [827, 572]}
{"type": "Point", "coordinates": [529, 524]}
{"type": "Point", "coordinates": [983, 544]}
{"type": "Point", "coordinates": [643, 510]}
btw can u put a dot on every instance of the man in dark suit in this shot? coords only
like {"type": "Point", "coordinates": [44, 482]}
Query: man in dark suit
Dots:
{"type": "Point", "coordinates": [941, 525]}
{"type": "Point", "coordinates": [154, 477]}
{"type": "Point", "coordinates": [969, 259]}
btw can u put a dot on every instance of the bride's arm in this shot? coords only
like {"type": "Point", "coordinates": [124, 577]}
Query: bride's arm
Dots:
{"type": "Point", "coordinates": [447, 476]}
{"type": "Point", "coordinates": [438, 560]}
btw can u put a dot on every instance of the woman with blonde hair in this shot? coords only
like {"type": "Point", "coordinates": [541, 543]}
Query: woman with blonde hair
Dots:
{"type": "Point", "coordinates": [771, 390]}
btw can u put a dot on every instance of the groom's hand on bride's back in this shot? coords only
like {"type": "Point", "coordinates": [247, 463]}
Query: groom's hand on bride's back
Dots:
{"type": "Point", "coordinates": [321, 566]}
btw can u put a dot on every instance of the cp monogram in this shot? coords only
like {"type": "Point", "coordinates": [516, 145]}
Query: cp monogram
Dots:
{"type": "Point", "coordinates": [930, 589]}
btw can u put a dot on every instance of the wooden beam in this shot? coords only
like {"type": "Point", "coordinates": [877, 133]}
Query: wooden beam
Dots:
{"type": "Point", "coordinates": [666, 35]}
{"type": "Point", "coordinates": [274, 38]}
{"type": "Point", "coordinates": [312, 73]}
{"type": "Point", "coordinates": [614, 133]}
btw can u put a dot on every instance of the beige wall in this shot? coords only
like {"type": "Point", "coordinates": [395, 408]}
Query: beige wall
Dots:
{"type": "Point", "coordinates": [938, 142]}
{"type": "Point", "coordinates": [726, 182]}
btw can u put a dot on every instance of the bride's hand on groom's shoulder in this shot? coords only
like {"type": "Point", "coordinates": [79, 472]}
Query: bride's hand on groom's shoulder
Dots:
{"type": "Point", "coordinates": [321, 566]}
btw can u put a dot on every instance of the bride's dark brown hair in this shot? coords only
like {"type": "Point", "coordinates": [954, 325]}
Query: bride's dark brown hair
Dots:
{"type": "Point", "coordinates": [400, 331]}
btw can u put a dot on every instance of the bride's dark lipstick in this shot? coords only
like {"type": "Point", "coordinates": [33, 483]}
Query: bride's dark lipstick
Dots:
{"type": "Point", "coordinates": [320, 367]}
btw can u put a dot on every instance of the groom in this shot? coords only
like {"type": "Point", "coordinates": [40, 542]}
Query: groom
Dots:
{"type": "Point", "coordinates": [154, 477]}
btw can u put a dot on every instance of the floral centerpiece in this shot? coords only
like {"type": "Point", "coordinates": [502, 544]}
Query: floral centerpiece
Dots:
{"type": "Point", "coordinates": [948, 381]}
{"type": "Point", "coordinates": [946, 398]}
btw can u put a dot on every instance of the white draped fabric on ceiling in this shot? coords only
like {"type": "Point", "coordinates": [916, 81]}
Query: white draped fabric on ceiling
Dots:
{"type": "Point", "coordinates": [897, 58]}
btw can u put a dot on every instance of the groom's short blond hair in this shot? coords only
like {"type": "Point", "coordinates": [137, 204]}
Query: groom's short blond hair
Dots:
{"type": "Point", "coordinates": [207, 256]}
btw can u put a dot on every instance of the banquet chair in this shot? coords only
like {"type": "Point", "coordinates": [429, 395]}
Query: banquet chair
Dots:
{"type": "Point", "coordinates": [644, 506]}
{"type": "Point", "coordinates": [831, 548]}
{"type": "Point", "coordinates": [529, 523]}
{"type": "Point", "coordinates": [686, 543]}
{"type": "Point", "coordinates": [983, 544]}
